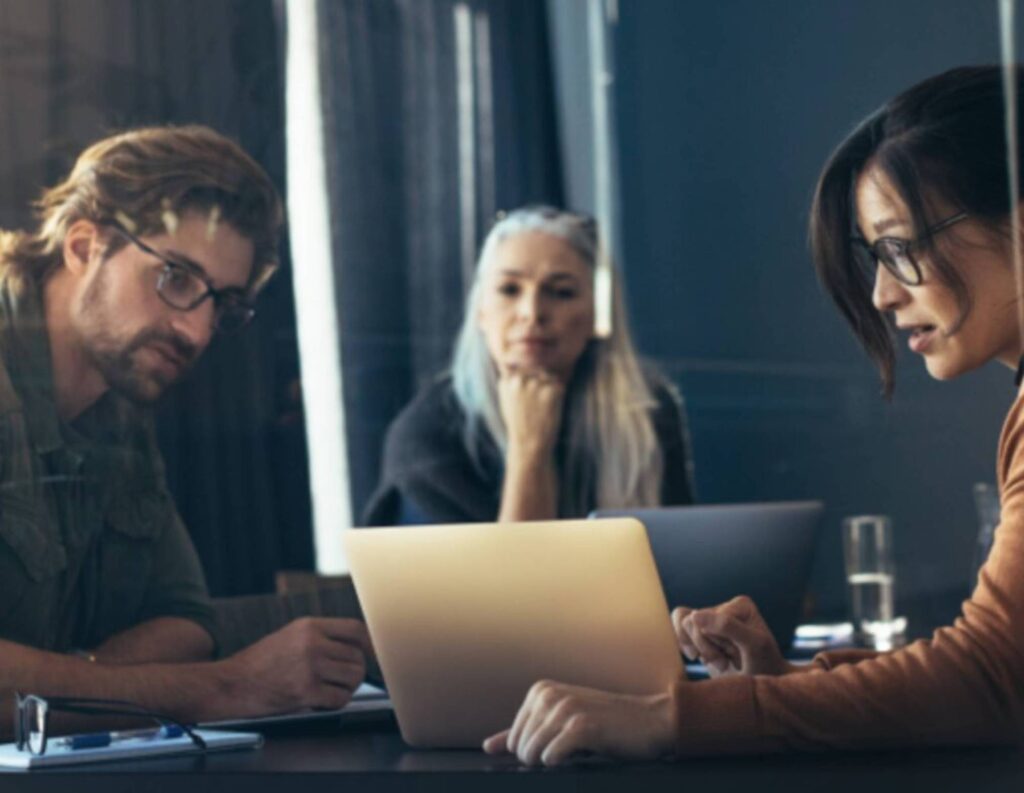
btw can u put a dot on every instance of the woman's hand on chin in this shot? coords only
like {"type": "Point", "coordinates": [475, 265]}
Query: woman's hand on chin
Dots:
{"type": "Point", "coordinates": [557, 723]}
{"type": "Point", "coordinates": [531, 406]}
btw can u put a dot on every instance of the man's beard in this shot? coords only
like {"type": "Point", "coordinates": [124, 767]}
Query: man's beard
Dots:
{"type": "Point", "coordinates": [115, 359]}
{"type": "Point", "coordinates": [120, 372]}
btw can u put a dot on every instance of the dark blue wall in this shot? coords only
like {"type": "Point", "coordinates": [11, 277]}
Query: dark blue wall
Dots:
{"type": "Point", "coordinates": [726, 111]}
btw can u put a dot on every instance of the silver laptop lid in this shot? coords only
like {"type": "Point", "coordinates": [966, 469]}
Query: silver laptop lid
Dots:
{"type": "Point", "coordinates": [465, 618]}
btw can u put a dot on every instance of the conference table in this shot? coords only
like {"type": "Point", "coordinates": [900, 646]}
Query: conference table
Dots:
{"type": "Point", "coordinates": [372, 757]}
{"type": "Point", "coordinates": [367, 754]}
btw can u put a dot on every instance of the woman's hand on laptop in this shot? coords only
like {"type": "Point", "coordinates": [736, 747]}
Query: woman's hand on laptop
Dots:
{"type": "Point", "coordinates": [557, 721]}
{"type": "Point", "coordinates": [730, 639]}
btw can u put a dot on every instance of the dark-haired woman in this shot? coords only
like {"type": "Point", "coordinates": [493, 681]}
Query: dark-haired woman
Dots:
{"type": "Point", "coordinates": [910, 231]}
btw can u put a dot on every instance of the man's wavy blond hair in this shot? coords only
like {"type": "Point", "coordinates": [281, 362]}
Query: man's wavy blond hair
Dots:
{"type": "Point", "coordinates": [135, 179]}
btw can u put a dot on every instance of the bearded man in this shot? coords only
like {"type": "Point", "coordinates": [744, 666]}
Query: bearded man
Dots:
{"type": "Point", "coordinates": [156, 240]}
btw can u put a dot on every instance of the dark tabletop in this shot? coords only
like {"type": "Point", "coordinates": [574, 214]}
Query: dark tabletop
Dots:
{"type": "Point", "coordinates": [372, 757]}
{"type": "Point", "coordinates": [369, 755]}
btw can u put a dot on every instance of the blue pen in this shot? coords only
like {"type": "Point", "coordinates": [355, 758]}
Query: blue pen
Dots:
{"type": "Point", "coordinates": [95, 740]}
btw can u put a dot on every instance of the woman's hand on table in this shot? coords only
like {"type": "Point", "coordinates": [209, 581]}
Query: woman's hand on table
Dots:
{"type": "Point", "coordinates": [557, 722]}
{"type": "Point", "coordinates": [730, 639]}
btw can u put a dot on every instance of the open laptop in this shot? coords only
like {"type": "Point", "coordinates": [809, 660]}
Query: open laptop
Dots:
{"type": "Point", "coordinates": [707, 555]}
{"type": "Point", "coordinates": [465, 618]}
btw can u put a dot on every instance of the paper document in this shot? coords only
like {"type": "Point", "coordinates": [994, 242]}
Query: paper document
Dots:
{"type": "Point", "coordinates": [368, 702]}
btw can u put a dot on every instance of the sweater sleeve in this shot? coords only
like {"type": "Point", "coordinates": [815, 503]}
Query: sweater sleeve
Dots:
{"type": "Point", "coordinates": [963, 686]}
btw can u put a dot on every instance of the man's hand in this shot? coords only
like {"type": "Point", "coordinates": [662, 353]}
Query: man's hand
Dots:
{"type": "Point", "coordinates": [313, 662]}
{"type": "Point", "coordinates": [730, 639]}
{"type": "Point", "coordinates": [310, 663]}
{"type": "Point", "coordinates": [557, 721]}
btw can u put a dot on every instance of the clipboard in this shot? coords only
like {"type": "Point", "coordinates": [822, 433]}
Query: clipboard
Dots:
{"type": "Point", "coordinates": [131, 749]}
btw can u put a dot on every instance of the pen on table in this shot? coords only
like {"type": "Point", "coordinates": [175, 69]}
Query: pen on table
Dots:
{"type": "Point", "coordinates": [94, 740]}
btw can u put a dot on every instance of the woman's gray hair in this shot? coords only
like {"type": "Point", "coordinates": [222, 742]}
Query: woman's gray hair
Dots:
{"type": "Point", "coordinates": [613, 458]}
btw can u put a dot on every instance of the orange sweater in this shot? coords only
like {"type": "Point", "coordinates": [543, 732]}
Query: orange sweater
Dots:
{"type": "Point", "coordinates": [965, 685]}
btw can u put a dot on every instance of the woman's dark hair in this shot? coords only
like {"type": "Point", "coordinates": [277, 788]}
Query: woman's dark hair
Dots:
{"type": "Point", "coordinates": [943, 139]}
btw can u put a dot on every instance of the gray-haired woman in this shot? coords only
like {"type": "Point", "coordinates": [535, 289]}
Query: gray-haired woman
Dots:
{"type": "Point", "coordinates": [538, 417]}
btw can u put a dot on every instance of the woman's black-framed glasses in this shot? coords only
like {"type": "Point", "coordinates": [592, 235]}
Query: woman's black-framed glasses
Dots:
{"type": "Point", "coordinates": [32, 718]}
{"type": "Point", "coordinates": [184, 286]}
{"type": "Point", "coordinates": [897, 255]}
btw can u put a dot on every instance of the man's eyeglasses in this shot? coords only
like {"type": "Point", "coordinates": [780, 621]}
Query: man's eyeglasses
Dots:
{"type": "Point", "coordinates": [896, 254]}
{"type": "Point", "coordinates": [183, 286]}
{"type": "Point", "coordinates": [32, 718]}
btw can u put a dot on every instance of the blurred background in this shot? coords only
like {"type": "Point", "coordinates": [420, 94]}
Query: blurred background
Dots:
{"type": "Point", "coordinates": [434, 114]}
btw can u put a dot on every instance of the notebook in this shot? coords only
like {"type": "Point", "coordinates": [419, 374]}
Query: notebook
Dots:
{"type": "Point", "coordinates": [368, 703]}
{"type": "Point", "coordinates": [132, 749]}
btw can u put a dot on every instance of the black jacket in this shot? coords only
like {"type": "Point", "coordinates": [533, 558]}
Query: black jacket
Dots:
{"type": "Point", "coordinates": [428, 468]}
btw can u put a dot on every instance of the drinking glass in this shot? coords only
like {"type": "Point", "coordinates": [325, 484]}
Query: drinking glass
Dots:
{"type": "Point", "coordinates": [870, 578]}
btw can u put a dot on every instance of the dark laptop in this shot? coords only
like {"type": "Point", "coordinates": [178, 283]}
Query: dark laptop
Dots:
{"type": "Point", "coordinates": [707, 555]}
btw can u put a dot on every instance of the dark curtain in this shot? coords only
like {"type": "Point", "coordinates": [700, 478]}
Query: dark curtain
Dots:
{"type": "Point", "coordinates": [71, 71]}
{"type": "Point", "coordinates": [389, 73]}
